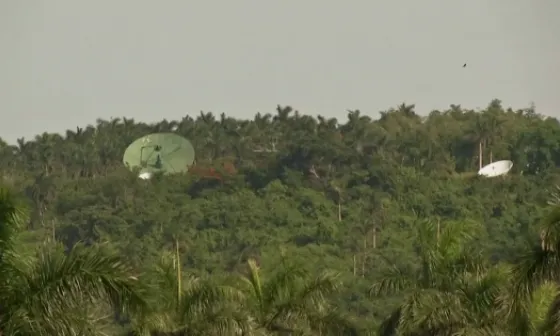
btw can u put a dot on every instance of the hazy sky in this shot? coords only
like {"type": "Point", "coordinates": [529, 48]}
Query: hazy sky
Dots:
{"type": "Point", "coordinates": [65, 63]}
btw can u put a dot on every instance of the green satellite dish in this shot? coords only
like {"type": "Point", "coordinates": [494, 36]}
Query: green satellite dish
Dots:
{"type": "Point", "coordinates": [165, 153]}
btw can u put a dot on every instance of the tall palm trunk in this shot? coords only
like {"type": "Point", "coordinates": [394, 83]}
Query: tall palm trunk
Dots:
{"type": "Point", "coordinates": [364, 258]}
{"type": "Point", "coordinates": [178, 260]}
{"type": "Point", "coordinates": [339, 210]}
{"type": "Point", "coordinates": [480, 154]}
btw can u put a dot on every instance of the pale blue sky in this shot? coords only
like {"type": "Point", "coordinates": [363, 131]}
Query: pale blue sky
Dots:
{"type": "Point", "coordinates": [67, 62]}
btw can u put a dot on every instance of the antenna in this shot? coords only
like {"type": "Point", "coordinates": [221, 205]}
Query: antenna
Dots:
{"type": "Point", "coordinates": [497, 168]}
{"type": "Point", "coordinates": [165, 153]}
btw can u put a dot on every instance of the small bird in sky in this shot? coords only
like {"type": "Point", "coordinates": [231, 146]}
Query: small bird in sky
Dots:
{"type": "Point", "coordinates": [465, 65]}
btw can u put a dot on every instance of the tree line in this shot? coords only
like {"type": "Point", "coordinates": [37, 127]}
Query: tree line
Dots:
{"type": "Point", "coordinates": [287, 225]}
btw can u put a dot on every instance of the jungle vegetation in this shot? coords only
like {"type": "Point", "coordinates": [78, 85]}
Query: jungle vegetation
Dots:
{"type": "Point", "coordinates": [287, 224]}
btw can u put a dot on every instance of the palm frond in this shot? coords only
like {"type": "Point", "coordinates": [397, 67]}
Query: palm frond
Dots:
{"type": "Point", "coordinates": [300, 302]}
{"type": "Point", "coordinates": [12, 215]}
{"type": "Point", "coordinates": [554, 197]}
{"type": "Point", "coordinates": [431, 310]}
{"type": "Point", "coordinates": [254, 283]}
{"type": "Point", "coordinates": [481, 299]}
{"type": "Point", "coordinates": [551, 326]}
{"type": "Point", "coordinates": [551, 229]}
{"type": "Point", "coordinates": [43, 295]}
{"type": "Point", "coordinates": [394, 280]}
{"type": "Point", "coordinates": [203, 307]}
{"type": "Point", "coordinates": [534, 267]}
{"type": "Point", "coordinates": [390, 325]}
{"type": "Point", "coordinates": [202, 297]}
{"type": "Point", "coordinates": [543, 308]}
{"type": "Point", "coordinates": [221, 320]}
{"type": "Point", "coordinates": [455, 236]}
{"type": "Point", "coordinates": [333, 322]}
{"type": "Point", "coordinates": [316, 291]}
{"type": "Point", "coordinates": [282, 283]}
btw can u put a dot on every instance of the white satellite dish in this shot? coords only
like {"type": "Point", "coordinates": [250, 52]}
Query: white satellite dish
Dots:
{"type": "Point", "coordinates": [145, 175]}
{"type": "Point", "coordinates": [496, 168]}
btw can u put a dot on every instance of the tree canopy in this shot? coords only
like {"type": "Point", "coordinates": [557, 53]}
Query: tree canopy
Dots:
{"type": "Point", "coordinates": [385, 219]}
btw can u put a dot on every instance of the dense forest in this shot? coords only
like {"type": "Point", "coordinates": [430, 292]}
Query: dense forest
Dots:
{"type": "Point", "coordinates": [287, 224]}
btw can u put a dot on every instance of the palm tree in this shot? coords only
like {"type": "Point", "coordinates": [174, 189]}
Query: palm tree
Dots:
{"type": "Point", "coordinates": [190, 306]}
{"type": "Point", "coordinates": [446, 266]}
{"type": "Point", "coordinates": [474, 299]}
{"type": "Point", "coordinates": [530, 316]}
{"type": "Point", "coordinates": [544, 301]}
{"type": "Point", "coordinates": [540, 265]}
{"type": "Point", "coordinates": [478, 306]}
{"type": "Point", "coordinates": [292, 302]}
{"type": "Point", "coordinates": [488, 305]}
{"type": "Point", "coordinates": [40, 291]}
{"type": "Point", "coordinates": [484, 132]}
{"type": "Point", "coordinates": [478, 134]}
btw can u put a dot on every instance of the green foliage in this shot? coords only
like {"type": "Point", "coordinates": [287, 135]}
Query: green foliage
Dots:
{"type": "Point", "coordinates": [394, 202]}
{"type": "Point", "coordinates": [51, 292]}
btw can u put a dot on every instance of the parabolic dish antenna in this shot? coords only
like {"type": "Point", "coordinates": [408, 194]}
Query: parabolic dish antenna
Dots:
{"type": "Point", "coordinates": [165, 153]}
{"type": "Point", "coordinates": [145, 175]}
{"type": "Point", "coordinates": [496, 168]}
